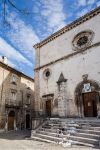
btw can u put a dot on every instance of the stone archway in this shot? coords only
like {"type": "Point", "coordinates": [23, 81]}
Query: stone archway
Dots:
{"type": "Point", "coordinates": [87, 98]}
{"type": "Point", "coordinates": [11, 120]}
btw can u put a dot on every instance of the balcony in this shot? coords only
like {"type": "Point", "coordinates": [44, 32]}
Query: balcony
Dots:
{"type": "Point", "coordinates": [10, 103]}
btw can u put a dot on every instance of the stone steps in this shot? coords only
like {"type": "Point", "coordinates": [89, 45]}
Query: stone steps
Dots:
{"type": "Point", "coordinates": [82, 132]}
{"type": "Point", "coordinates": [47, 137]}
{"type": "Point", "coordinates": [78, 123]}
{"type": "Point", "coordinates": [89, 136]}
{"type": "Point", "coordinates": [89, 131]}
{"type": "Point", "coordinates": [88, 119]}
{"type": "Point", "coordinates": [92, 136]}
{"type": "Point", "coordinates": [83, 144]}
{"type": "Point", "coordinates": [78, 130]}
{"type": "Point", "coordinates": [53, 126]}
{"type": "Point", "coordinates": [50, 141]}
{"type": "Point", "coordinates": [91, 128]}
{"type": "Point", "coordinates": [73, 138]}
{"type": "Point", "coordinates": [42, 139]}
{"type": "Point", "coordinates": [85, 140]}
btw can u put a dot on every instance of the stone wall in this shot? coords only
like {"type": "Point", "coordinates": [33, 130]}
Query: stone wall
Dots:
{"type": "Point", "coordinates": [62, 45]}
{"type": "Point", "coordinates": [22, 87]}
{"type": "Point", "coordinates": [59, 56]}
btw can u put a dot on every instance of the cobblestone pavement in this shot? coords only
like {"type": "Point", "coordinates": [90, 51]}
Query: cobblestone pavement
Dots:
{"type": "Point", "coordinates": [19, 141]}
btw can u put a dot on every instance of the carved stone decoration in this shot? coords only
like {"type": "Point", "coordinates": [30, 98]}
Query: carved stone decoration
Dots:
{"type": "Point", "coordinates": [83, 40]}
{"type": "Point", "coordinates": [85, 77]}
{"type": "Point", "coordinates": [48, 96]}
{"type": "Point", "coordinates": [62, 97]}
{"type": "Point", "coordinates": [61, 79]}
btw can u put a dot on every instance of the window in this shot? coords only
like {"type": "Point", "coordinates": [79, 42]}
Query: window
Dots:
{"type": "Point", "coordinates": [28, 85]}
{"type": "Point", "coordinates": [82, 40]}
{"type": "Point", "coordinates": [13, 95]}
{"type": "Point", "coordinates": [47, 73]}
{"type": "Point", "coordinates": [14, 79]}
{"type": "Point", "coordinates": [28, 101]}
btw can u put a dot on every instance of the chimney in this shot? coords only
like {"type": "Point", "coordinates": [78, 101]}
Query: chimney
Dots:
{"type": "Point", "coordinates": [4, 59]}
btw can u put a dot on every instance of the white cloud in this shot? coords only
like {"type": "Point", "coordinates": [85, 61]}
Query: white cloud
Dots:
{"type": "Point", "coordinates": [11, 63]}
{"type": "Point", "coordinates": [22, 36]}
{"type": "Point", "coordinates": [12, 54]}
{"type": "Point", "coordinates": [91, 2]}
{"type": "Point", "coordinates": [53, 12]}
{"type": "Point", "coordinates": [81, 2]}
{"type": "Point", "coordinates": [98, 4]}
{"type": "Point", "coordinates": [81, 13]}
{"type": "Point", "coordinates": [86, 2]}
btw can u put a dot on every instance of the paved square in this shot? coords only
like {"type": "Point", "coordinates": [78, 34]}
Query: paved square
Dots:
{"type": "Point", "coordinates": [19, 141]}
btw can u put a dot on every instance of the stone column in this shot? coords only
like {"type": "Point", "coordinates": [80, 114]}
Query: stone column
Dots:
{"type": "Point", "coordinates": [37, 90]}
{"type": "Point", "coordinates": [36, 77]}
{"type": "Point", "coordinates": [62, 97]}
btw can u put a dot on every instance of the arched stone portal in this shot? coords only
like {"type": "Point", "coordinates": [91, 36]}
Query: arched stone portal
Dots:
{"type": "Point", "coordinates": [87, 98]}
{"type": "Point", "coordinates": [11, 120]}
{"type": "Point", "coordinates": [27, 121]}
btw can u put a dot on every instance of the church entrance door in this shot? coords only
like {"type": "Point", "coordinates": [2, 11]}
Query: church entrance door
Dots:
{"type": "Point", "coordinates": [90, 104]}
{"type": "Point", "coordinates": [48, 108]}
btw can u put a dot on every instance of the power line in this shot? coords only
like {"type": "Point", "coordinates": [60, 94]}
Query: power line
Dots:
{"type": "Point", "coordinates": [5, 4]}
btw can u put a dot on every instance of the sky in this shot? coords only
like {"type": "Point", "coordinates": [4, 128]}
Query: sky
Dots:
{"type": "Point", "coordinates": [27, 22]}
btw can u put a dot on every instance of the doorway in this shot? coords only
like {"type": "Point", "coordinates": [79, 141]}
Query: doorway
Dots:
{"type": "Point", "coordinates": [48, 108]}
{"type": "Point", "coordinates": [27, 121]}
{"type": "Point", "coordinates": [90, 104]}
{"type": "Point", "coordinates": [11, 119]}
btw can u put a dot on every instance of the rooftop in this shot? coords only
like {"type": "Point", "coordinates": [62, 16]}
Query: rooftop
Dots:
{"type": "Point", "coordinates": [6, 66]}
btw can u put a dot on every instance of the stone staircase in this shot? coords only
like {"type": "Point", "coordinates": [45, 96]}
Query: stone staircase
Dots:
{"type": "Point", "coordinates": [84, 132]}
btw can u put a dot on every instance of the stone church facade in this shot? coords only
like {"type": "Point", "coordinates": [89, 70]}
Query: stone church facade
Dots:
{"type": "Point", "coordinates": [16, 99]}
{"type": "Point", "coordinates": [67, 71]}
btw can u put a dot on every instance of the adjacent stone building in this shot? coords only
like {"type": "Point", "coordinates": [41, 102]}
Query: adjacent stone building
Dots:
{"type": "Point", "coordinates": [67, 71]}
{"type": "Point", "coordinates": [16, 99]}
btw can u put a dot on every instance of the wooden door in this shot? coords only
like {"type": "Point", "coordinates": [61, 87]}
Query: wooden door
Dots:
{"type": "Point", "coordinates": [48, 108]}
{"type": "Point", "coordinates": [90, 104]}
{"type": "Point", "coordinates": [10, 123]}
{"type": "Point", "coordinates": [11, 118]}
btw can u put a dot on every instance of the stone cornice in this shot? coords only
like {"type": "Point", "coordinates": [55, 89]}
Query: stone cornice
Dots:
{"type": "Point", "coordinates": [69, 27]}
{"type": "Point", "coordinates": [67, 56]}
